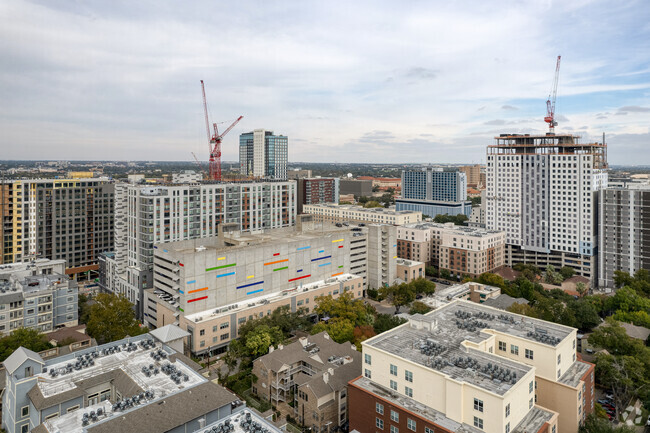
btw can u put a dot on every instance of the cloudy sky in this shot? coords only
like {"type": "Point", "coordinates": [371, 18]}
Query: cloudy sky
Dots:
{"type": "Point", "coordinates": [347, 81]}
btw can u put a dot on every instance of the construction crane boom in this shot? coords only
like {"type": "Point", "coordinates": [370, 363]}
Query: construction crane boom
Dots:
{"type": "Point", "coordinates": [550, 102]}
{"type": "Point", "coordinates": [199, 165]}
{"type": "Point", "coordinates": [205, 110]}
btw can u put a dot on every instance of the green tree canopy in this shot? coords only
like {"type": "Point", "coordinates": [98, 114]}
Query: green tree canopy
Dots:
{"type": "Point", "coordinates": [593, 424]}
{"type": "Point", "coordinates": [567, 272]}
{"type": "Point", "coordinates": [345, 307]}
{"type": "Point", "coordinates": [384, 322]}
{"type": "Point", "coordinates": [423, 286]}
{"type": "Point", "coordinates": [261, 338]}
{"type": "Point", "coordinates": [418, 307]}
{"type": "Point", "coordinates": [625, 375]}
{"type": "Point", "coordinates": [340, 329]}
{"type": "Point", "coordinates": [399, 295]}
{"type": "Point", "coordinates": [112, 318]}
{"type": "Point", "coordinates": [26, 337]}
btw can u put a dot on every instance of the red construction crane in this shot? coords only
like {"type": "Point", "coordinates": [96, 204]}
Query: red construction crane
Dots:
{"type": "Point", "coordinates": [550, 102]}
{"type": "Point", "coordinates": [214, 140]}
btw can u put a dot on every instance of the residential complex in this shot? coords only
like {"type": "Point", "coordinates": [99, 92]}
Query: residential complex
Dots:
{"type": "Point", "coordinates": [146, 215]}
{"type": "Point", "coordinates": [624, 231]}
{"type": "Point", "coordinates": [38, 295]}
{"type": "Point", "coordinates": [475, 175]}
{"type": "Point", "coordinates": [312, 375]}
{"type": "Point", "coordinates": [356, 187]}
{"type": "Point", "coordinates": [263, 154]}
{"type": "Point", "coordinates": [434, 192]}
{"type": "Point", "coordinates": [542, 190]}
{"type": "Point", "coordinates": [336, 213]}
{"type": "Point", "coordinates": [317, 191]}
{"type": "Point", "coordinates": [130, 385]}
{"type": "Point", "coordinates": [68, 219]}
{"type": "Point", "coordinates": [409, 270]}
{"type": "Point", "coordinates": [461, 250]}
{"type": "Point", "coordinates": [466, 367]}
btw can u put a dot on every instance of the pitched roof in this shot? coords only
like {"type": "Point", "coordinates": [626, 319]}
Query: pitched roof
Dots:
{"type": "Point", "coordinates": [169, 333]}
{"type": "Point", "coordinates": [19, 356]}
{"type": "Point", "coordinates": [638, 332]}
{"type": "Point", "coordinates": [503, 301]}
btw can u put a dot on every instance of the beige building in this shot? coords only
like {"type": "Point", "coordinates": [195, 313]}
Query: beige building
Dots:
{"type": "Point", "coordinates": [312, 373]}
{"type": "Point", "coordinates": [475, 368]}
{"type": "Point", "coordinates": [409, 270]}
{"type": "Point", "coordinates": [459, 249]}
{"type": "Point", "coordinates": [475, 177]}
{"type": "Point", "coordinates": [336, 213]}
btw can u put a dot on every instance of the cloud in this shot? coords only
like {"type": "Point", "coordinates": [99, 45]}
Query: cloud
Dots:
{"type": "Point", "coordinates": [495, 122]}
{"type": "Point", "coordinates": [634, 109]}
{"type": "Point", "coordinates": [421, 73]}
{"type": "Point", "coordinates": [509, 107]}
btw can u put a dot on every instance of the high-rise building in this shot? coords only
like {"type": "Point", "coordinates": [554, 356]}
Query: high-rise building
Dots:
{"type": "Point", "coordinates": [434, 192]}
{"type": "Point", "coordinates": [317, 190]}
{"type": "Point", "coordinates": [263, 154]}
{"type": "Point", "coordinates": [475, 175]}
{"type": "Point", "coordinates": [154, 214]}
{"type": "Point", "coordinates": [68, 219]}
{"type": "Point", "coordinates": [542, 191]}
{"type": "Point", "coordinates": [467, 367]}
{"type": "Point", "coordinates": [624, 231]}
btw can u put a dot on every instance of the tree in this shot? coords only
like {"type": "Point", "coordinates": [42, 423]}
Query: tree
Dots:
{"type": "Point", "coordinates": [431, 271]}
{"type": "Point", "coordinates": [625, 375]}
{"type": "Point", "coordinates": [622, 278]}
{"type": "Point", "coordinates": [398, 295]}
{"type": "Point", "coordinates": [523, 309]}
{"type": "Point", "coordinates": [84, 308]}
{"type": "Point", "coordinates": [112, 318]}
{"type": "Point", "coordinates": [552, 277]}
{"type": "Point", "coordinates": [581, 288]}
{"type": "Point", "coordinates": [445, 274]}
{"type": "Point", "coordinates": [585, 314]}
{"type": "Point", "coordinates": [28, 338]}
{"type": "Point", "coordinates": [339, 329]}
{"type": "Point", "coordinates": [261, 338]}
{"type": "Point", "coordinates": [423, 286]}
{"type": "Point", "coordinates": [491, 279]}
{"type": "Point", "coordinates": [419, 308]}
{"type": "Point", "coordinates": [385, 322]}
{"type": "Point", "coordinates": [362, 333]}
{"type": "Point", "coordinates": [345, 307]}
{"type": "Point", "coordinates": [476, 201]}
{"type": "Point", "coordinates": [372, 203]}
{"type": "Point", "coordinates": [595, 424]}
{"type": "Point", "coordinates": [567, 272]}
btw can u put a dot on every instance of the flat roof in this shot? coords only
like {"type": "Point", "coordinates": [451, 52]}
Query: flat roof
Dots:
{"type": "Point", "coordinates": [375, 210]}
{"type": "Point", "coordinates": [441, 349]}
{"type": "Point", "coordinates": [452, 228]}
{"type": "Point", "coordinates": [243, 421]}
{"type": "Point", "coordinates": [574, 374]}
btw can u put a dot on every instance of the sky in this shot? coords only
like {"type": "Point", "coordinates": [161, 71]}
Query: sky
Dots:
{"type": "Point", "coordinates": [346, 81]}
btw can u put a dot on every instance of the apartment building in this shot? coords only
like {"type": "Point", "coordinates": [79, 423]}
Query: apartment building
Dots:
{"type": "Point", "coordinates": [263, 154]}
{"type": "Point", "coordinates": [409, 270]}
{"type": "Point", "coordinates": [146, 215]}
{"type": "Point", "coordinates": [466, 367]}
{"type": "Point", "coordinates": [434, 192]}
{"type": "Point", "coordinates": [38, 295]}
{"type": "Point", "coordinates": [335, 213]}
{"type": "Point", "coordinates": [317, 191]}
{"type": "Point", "coordinates": [542, 190]}
{"type": "Point", "coordinates": [475, 175]}
{"type": "Point", "coordinates": [356, 187]}
{"type": "Point", "coordinates": [312, 373]}
{"type": "Point", "coordinates": [134, 384]}
{"type": "Point", "coordinates": [461, 250]}
{"type": "Point", "coordinates": [624, 231]}
{"type": "Point", "coordinates": [68, 219]}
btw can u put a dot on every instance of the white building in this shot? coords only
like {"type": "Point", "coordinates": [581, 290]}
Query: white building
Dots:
{"type": "Point", "coordinates": [542, 191]}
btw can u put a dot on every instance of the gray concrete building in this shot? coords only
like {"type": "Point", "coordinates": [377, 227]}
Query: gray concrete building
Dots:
{"type": "Point", "coordinates": [356, 187]}
{"type": "Point", "coordinates": [624, 231]}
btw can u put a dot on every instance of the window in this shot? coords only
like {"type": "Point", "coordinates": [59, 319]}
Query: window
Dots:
{"type": "Point", "coordinates": [478, 422]}
{"type": "Point", "coordinates": [411, 424]}
{"type": "Point", "coordinates": [529, 354]}
{"type": "Point", "coordinates": [559, 373]}
{"type": "Point", "coordinates": [428, 430]}
{"type": "Point", "coordinates": [73, 408]}
{"type": "Point", "coordinates": [225, 336]}
{"type": "Point", "coordinates": [508, 428]}
{"type": "Point", "coordinates": [394, 429]}
{"type": "Point", "coordinates": [408, 391]}
{"type": "Point", "coordinates": [368, 359]}
{"type": "Point", "coordinates": [24, 411]}
{"type": "Point", "coordinates": [394, 416]}
{"type": "Point", "coordinates": [224, 325]}
{"type": "Point", "coordinates": [202, 332]}
{"type": "Point", "coordinates": [379, 423]}
{"type": "Point", "coordinates": [379, 408]}
{"type": "Point", "coordinates": [530, 403]}
{"type": "Point", "coordinates": [28, 372]}
{"type": "Point", "coordinates": [530, 387]}
{"type": "Point", "coordinates": [553, 429]}
{"type": "Point", "coordinates": [559, 358]}
{"type": "Point", "coordinates": [502, 345]}
{"type": "Point", "coordinates": [24, 429]}
{"type": "Point", "coordinates": [507, 410]}
{"type": "Point", "coordinates": [408, 376]}
{"type": "Point", "coordinates": [393, 370]}
{"type": "Point", "coordinates": [367, 373]}
{"type": "Point", "coordinates": [393, 385]}
{"type": "Point", "coordinates": [214, 328]}
{"type": "Point", "coordinates": [54, 415]}
{"type": "Point", "coordinates": [514, 349]}
{"type": "Point", "coordinates": [478, 405]}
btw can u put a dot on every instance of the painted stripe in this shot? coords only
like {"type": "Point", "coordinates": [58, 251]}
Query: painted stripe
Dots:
{"type": "Point", "coordinates": [321, 251]}
{"type": "Point", "coordinates": [302, 248]}
{"type": "Point", "coordinates": [299, 270]}
{"type": "Point", "coordinates": [197, 299]}
{"type": "Point", "coordinates": [191, 282]}
{"type": "Point", "coordinates": [394, 257]}
{"type": "Point", "coordinates": [225, 275]}
{"type": "Point", "coordinates": [321, 258]}
{"type": "Point", "coordinates": [155, 247]}
{"type": "Point", "coordinates": [276, 254]}
{"type": "Point", "coordinates": [324, 264]}
{"type": "Point", "coordinates": [254, 291]}
{"type": "Point", "coordinates": [340, 273]}
{"type": "Point", "coordinates": [299, 278]}
{"type": "Point", "coordinates": [221, 258]}
{"type": "Point", "coordinates": [182, 291]}
{"type": "Point", "coordinates": [251, 284]}
{"type": "Point", "coordinates": [165, 251]}
{"type": "Point", "coordinates": [197, 290]}
{"type": "Point", "coordinates": [280, 269]}
{"type": "Point", "coordinates": [180, 264]}
{"type": "Point", "coordinates": [181, 309]}
{"type": "Point", "coordinates": [220, 267]}
{"type": "Point", "coordinates": [340, 266]}
{"type": "Point", "coordinates": [250, 276]}
{"type": "Point", "coordinates": [340, 246]}
{"type": "Point", "coordinates": [276, 262]}
{"type": "Point", "coordinates": [395, 245]}
{"type": "Point", "coordinates": [338, 240]}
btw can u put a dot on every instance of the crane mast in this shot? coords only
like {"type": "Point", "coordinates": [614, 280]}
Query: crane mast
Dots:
{"type": "Point", "coordinates": [550, 102]}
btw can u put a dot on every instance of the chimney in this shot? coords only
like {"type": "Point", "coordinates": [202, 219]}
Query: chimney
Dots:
{"type": "Point", "coordinates": [331, 371]}
{"type": "Point", "coordinates": [326, 377]}
{"type": "Point", "coordinates": [271, 349]}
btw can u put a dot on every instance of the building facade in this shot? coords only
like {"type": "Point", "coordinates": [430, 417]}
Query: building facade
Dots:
{"type": "Point", "coordinates": [356, 187]}
{"type": "Point", "coordinates": [68, 219]}
{"type": "Point", "coordinates": [409, 270]}
{"type": "Point", "coordinates": [317, 191]}
{"type": "Point", "coordinates": [146, 215]}
{"type": "Point", "coordinates": [475, 368]}
{"type": "Point", "coordinates": [624, 232]}
{"type": "Point", "coordinates": [434, 185]}
{"type": "Point", "coordinates": [37, 295]}
{"type": "Point", "coordinates": [335, 213]}
{"type": "Point", "coordinates": [543, 192]}
{"type": "Point", "coordinates": [475, 175]}
{"type": "Point", "coordinates": [263, 154]}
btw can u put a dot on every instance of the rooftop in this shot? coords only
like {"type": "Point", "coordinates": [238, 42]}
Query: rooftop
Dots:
{"type": "Point", "coordinates": [244, 421]}
{"type": "Point", "coordinates": [452, 228]}
{"type": "Point", "coordinates": [353, 208]}
{"type": "Point", "coordinates": [574, 374]}
{"type": "Point", "coordinates": [435, 340]}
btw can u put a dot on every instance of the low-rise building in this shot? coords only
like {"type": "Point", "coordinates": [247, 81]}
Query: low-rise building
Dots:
{"type": "Point", "coordinates": [38, 295]}
{"type": "Point", "coordinates": [317, 190]}
{"type": "Point", "coordinates": [336, 213]}
{"type": "Point", "coordinates": [409, 270]}
{"type": "Point", "coordinates": [312, 374]}
{"type": "Point", "coordinates": [466, 367]}
{"type": "Point", "coordinates": [132, 385]}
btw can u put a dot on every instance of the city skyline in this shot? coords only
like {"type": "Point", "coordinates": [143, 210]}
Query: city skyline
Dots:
{"type": "Point", "coordinates": [345, 82]}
